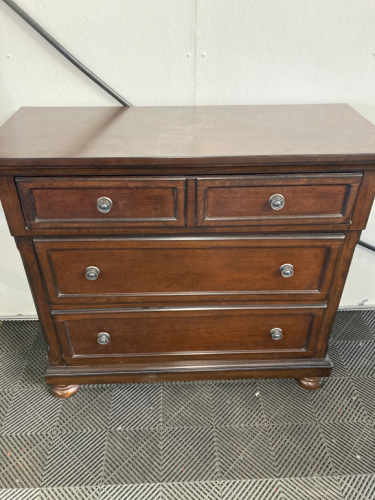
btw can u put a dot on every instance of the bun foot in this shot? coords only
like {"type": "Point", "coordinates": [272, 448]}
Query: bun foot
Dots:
{"type": "Point", "coordinates": [310, 383]}
{"type": "Point", "coordinates": [64, 391]}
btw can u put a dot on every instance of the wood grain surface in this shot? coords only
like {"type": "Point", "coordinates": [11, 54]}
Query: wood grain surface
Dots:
{"type": "Point", "coordinates": [170, 135]}
{"type": "Point", "coordinates": [185, 333]}
{"type": "Point", "coordinates": [72, 202]}
{"type": "Point", "coordinates": [190, 253]}
{"type": "Point", "coordinates": [183, 268]}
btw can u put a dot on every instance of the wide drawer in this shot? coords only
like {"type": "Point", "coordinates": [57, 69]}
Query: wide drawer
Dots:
{"type": "Point", "coordinates": [277, 199]}
{"type": "Point", "coordinates": [102, 202]}
{"type": "Point", "coordinates": [187, 268]}
{"type": "Point", "coordinates": [198, 332]}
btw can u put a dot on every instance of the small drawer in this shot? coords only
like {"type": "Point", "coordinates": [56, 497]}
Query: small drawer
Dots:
{"type": "Point", "coordinates": [102, 202]}
{"type": "Point", "coordinates": [115, 270]}
{"type": "Point", "coordinates": [199, 332]}
{"type": "Point", "coordinates": [277, 199]}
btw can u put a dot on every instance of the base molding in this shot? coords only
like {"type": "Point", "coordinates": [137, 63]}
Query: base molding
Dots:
{"type": "Point", "coordinates": [188, 370]}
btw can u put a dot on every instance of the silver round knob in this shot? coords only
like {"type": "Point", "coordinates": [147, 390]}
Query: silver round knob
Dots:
{"type": "Point", "coordinates": [276, 333]}
{"type": "Point", "coordinates": [286, 270]}
{"type": "Point", "coordinates": [92, 273]}
{"type": "Point", "coordinates": [103, 338]}
{"type": "Point", "coordinates": [104, 204]}
{"type": "Point", "coordinates": [277, 201]}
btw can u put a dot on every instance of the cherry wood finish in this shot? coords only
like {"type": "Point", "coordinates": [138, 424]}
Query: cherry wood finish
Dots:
{"type": "Point", "coordinates": [346, 256]}
{"type": "Point", "coordinates": [189, 370]}
{"type": "Point", "coordinates": [27, 251]}
{"type": "Point", "coordinates": [66, 203]}
{"type": "Point", "coordinates": [308, 198]}
{"type": "Point", "coordinates": [190, 253]}
{"type": "Point", "coordinates": [186, 136]}
{"type": "Point", "coordinates": [12, 208]}
{"type": "Point", "coordinates": [199, 333]}
{"type": "Point", "coordinates": [228, 268]}
{"type": "Point", "coordinates": [187, 231]}
{"type": "Point", "coordinates": [364, 201]}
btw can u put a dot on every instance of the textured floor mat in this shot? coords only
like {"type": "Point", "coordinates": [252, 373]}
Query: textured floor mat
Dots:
{"type": "Point", "coordinates": [241, 439]}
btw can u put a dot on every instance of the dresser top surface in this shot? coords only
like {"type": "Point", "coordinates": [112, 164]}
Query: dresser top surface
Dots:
{"type": "Point", "coordinates": [205, 134]}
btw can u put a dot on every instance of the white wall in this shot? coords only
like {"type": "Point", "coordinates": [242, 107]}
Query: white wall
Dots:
{"type": "Point", "coordinates": [189, 52]}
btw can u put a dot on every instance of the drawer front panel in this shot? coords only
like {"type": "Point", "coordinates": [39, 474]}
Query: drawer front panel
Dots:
{"type": "Point", "coordinates": [247, 200]}
{"type": "Point", "coordinates": [205, 332]}
{"type": "Point", "coordinates": [143, 269]}
{"type": "Point", "coordinates": [67, 203]}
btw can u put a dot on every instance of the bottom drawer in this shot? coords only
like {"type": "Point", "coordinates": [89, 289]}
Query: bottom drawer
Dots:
{"type": "Point", "coordinates": [192, 333]}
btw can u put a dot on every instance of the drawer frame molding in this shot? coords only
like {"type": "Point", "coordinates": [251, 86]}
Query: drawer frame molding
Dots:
{"type": "Point", "coordinates": [312, 314]}
{"type": "Point", "coordinates": [57, 268]}
{"type": "Point", "coordinates": [48, 192]}
{"type": "Point", "coordinates": [350, 183]}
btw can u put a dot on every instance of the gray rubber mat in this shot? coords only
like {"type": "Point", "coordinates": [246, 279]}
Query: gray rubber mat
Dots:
{"type": "Point", "coordinates": [245, 439]}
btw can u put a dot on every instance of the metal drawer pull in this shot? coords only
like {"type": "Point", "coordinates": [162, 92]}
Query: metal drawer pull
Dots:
{"type": "Point", "coordinates": [104, 204]}
{"type": "Point", "coordinates": [92, 273]}
{"type": "Point", "coordinates": [103, 338]}
{"type": "Point", "coordinates": [276, 333]}
{"type": "Point", "coordinates": [286, 270]}
{"type": "Point", "coordinates": [277, 201]}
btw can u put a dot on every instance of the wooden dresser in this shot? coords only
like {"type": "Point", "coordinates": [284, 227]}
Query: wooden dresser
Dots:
{"type": "Point", "coordinates": [186, 243]}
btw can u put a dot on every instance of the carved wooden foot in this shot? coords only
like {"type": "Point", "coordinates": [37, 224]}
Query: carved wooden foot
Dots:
{"type": "Point", "coordinates": [310, 383]}
{"type": "Point", "coordinates": [64, 391]}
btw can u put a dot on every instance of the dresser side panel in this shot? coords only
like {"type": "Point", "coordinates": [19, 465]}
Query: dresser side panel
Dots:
{"type": "Point", "coordinates": [12, 207]}
{"type": "Point", "coordinates": [365, 200]}
{"type": "Point", "coordinates": [337, 288]}
{"type": "Point", "coordinates": [26, 249]}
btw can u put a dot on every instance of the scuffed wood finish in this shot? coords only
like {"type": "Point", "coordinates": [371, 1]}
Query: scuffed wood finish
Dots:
{"type": "Point", "coordinates": [70, 202]}
{"type": "Point", "coordinates": [214, 268]}
{"type": "Point", "coordinates": [64, 391]}
{"type": "Point", "coordinates": [190, 253]}
{"type": "Point", "coordinates": [186, 135]}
